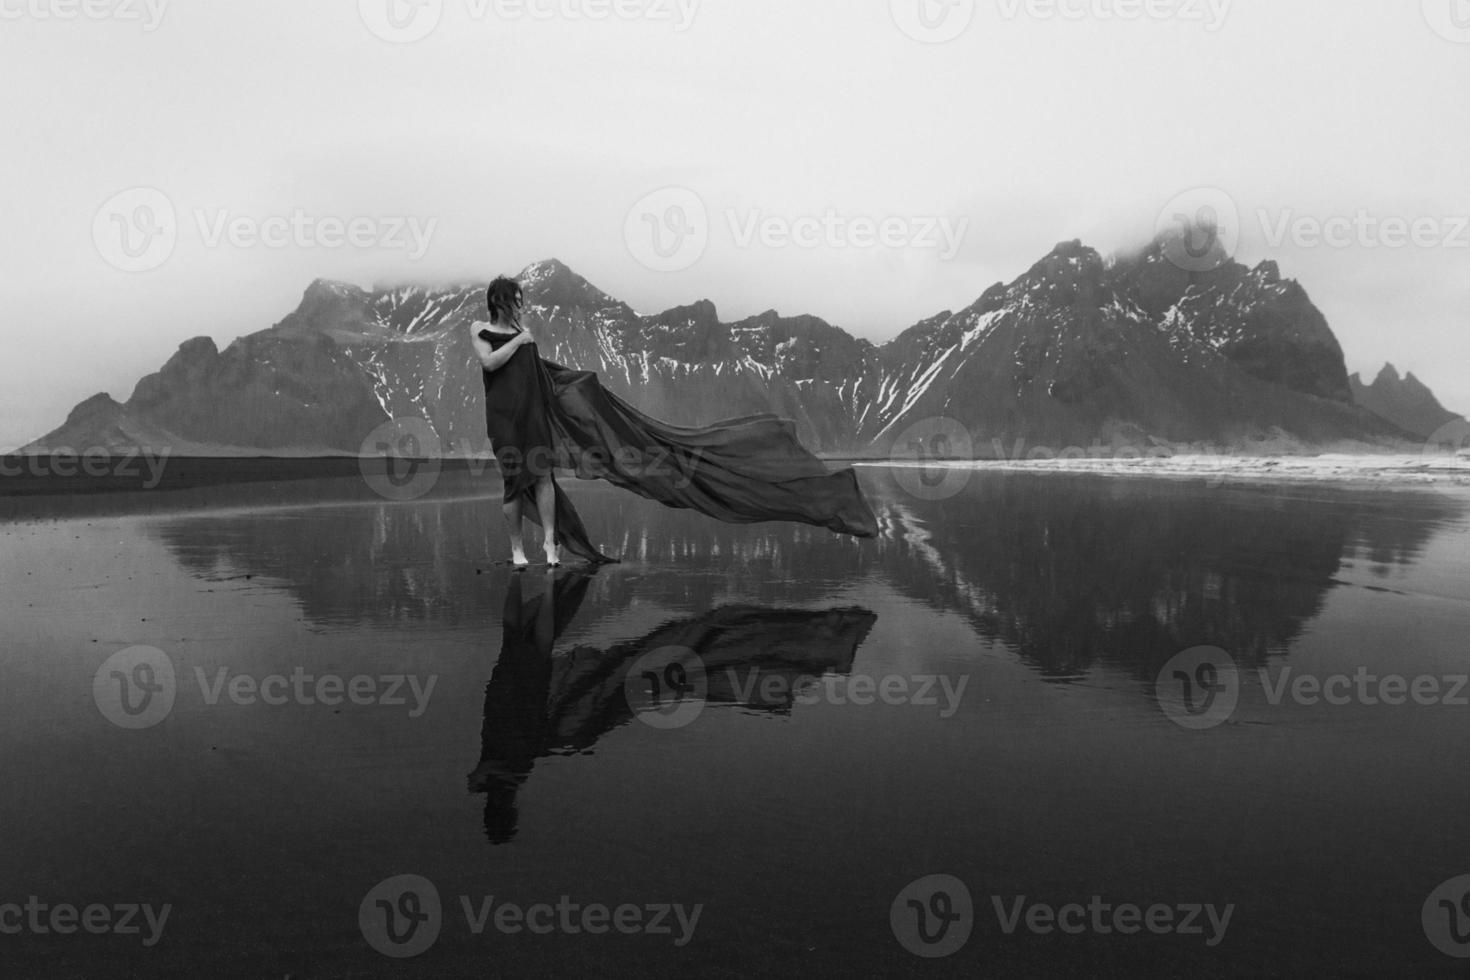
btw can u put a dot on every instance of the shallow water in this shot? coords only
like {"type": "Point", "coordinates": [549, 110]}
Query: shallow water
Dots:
{"type": "Point", "coordinates": [1024, 745]}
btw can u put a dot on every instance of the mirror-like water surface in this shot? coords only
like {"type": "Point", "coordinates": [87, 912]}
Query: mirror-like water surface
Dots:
{"type": "Point", "coordinates": [766, 732]}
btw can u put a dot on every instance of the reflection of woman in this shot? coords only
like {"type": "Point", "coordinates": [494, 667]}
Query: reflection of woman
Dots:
{"type": "Point", "coordinates": [517, 724]}
{"type": "Point", "coordinates": [537, 705]}
{"type": "Point", "coordinates": [539, 414]}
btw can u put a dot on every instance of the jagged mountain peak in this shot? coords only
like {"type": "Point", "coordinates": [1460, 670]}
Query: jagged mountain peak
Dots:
{"type": "Point", "coordinates": [553, 275]}
{"type": "Point", "coordinates": [1269, 272]}
{"type": "Point", "coordinates": [325, 288]}
{"type": "Point", "coordinates": [546, 269]}
{"type": "Point", "coordinates": [1071, 274]}
{"type": "Point", "coordinates": [1070, 258]}
{"type": "Point", "coordinates": [1072, 248]}
{"type": "Point", "coordinates": [1403, 400]}
{"type": "Point", "coordinates": [699, 314]}
{"type": "Point", "coordinates": [551, 283]}
{"type": "Point", "coordinates": [99, 403]}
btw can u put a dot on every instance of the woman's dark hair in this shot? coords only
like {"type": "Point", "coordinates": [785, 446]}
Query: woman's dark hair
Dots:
{"type": "Point", "coordinates": [502, 299]}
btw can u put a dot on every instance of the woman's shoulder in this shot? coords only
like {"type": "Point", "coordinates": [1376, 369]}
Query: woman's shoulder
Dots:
{"type": "Point", "coordinates": [479, 327]}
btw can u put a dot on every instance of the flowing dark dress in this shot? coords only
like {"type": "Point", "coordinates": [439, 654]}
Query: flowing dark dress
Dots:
{"type": "Point", "coordinates": [540, 416]}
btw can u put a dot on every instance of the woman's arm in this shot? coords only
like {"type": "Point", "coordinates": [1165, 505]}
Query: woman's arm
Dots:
{"type": "Point", "coordinates": [494, 360]}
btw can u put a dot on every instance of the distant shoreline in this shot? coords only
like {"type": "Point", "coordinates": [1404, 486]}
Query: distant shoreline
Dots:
{"type": "Point", "coordinates": [1375, 469]}
{"type": "Point", "coordinates": [47, 475]}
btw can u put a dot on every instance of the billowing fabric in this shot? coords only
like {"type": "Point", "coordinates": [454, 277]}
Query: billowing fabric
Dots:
{"type": "Point", "coordinates": [541, 416]}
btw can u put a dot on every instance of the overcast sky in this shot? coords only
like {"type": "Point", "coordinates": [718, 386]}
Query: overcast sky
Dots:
{"type": "Point", "coordinates": [867, 161]}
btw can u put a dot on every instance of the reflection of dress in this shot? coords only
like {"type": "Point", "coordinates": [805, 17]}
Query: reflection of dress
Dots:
{"type": "Point", "coordinates": [740, 470]}
{"type": "Point", "coordinates": [538, 704]}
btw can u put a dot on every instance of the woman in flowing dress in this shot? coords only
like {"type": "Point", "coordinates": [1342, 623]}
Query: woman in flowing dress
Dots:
{"type": "Point", "coordinates": [541, 416]}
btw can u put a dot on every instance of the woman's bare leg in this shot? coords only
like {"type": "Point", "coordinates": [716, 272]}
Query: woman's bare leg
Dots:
{"type": "Point", "coordinates": [512, 511]}
{"type": "Point", "coordinates": [546, 504]}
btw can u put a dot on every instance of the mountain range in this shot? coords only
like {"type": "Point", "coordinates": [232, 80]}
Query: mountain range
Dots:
{"type": "Point", "coordinates": [1130, 349]}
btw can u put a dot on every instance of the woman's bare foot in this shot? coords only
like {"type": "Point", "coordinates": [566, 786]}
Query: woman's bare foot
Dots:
{"type": "Point", "coordinates": [519, 560]}
{"type": "Point", "coordinates": [551, 556]}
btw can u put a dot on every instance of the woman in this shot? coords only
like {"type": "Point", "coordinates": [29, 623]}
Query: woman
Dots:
{"type": "Point", "coordinates": [515, 421]}
{"type": "Point", "coordinates": [541, 415]}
